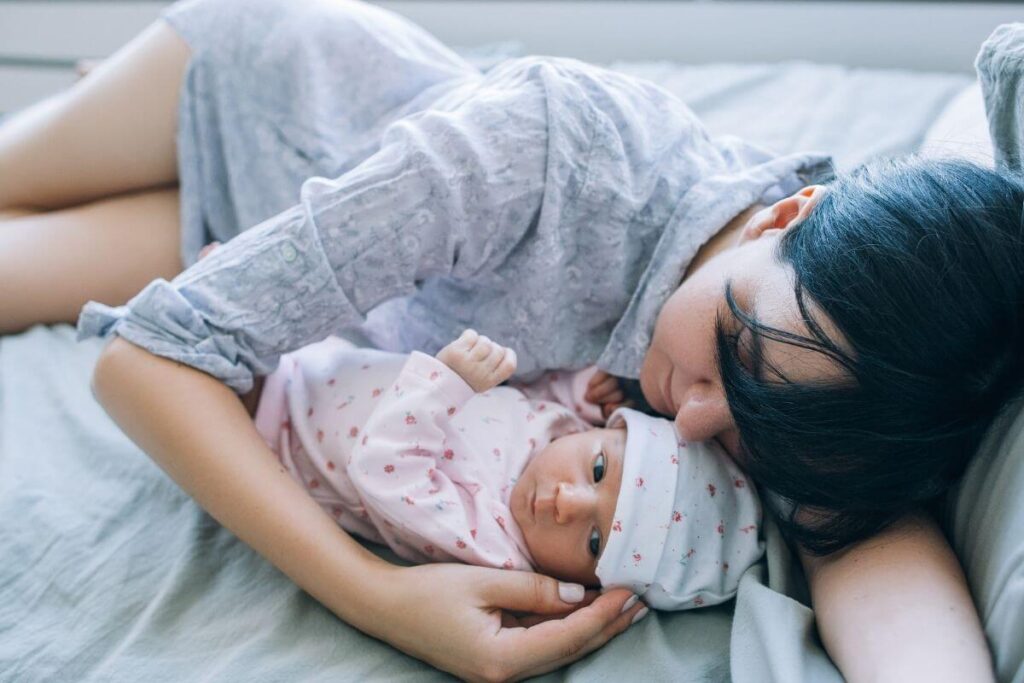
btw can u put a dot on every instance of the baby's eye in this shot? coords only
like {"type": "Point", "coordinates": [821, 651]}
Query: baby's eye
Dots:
{"type": "Point", "coordinates": [595, 542]}
{"type": "Point", "coordinates": [599, 467]}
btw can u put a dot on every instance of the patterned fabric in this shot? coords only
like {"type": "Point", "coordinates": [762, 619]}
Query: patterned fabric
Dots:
{"type": "Point", "coordinates": [395, 189]}
{"type": "Point", "coordinates": [400, 450]}
{"type": "Point", "coordinates": [687, 521]}
{"type": "Point", "coordinates": [999, 71]}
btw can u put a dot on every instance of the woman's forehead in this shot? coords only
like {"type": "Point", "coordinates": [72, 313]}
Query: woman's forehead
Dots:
{"type": "Point", "coordinates": [772, 301]}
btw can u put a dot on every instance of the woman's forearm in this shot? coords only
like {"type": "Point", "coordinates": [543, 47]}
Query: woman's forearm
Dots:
{"type": "Point", "coordinates": [198, 431]}
{"type": "Point", "coordinates": [897, 608]}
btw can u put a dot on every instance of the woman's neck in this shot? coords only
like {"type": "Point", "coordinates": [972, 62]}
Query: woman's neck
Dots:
{"type": "Point", "coordinates": [722, 240]}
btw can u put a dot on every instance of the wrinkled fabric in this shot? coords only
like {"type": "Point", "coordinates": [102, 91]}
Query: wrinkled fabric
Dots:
{"type": "Point", "coordinates": [110, 573]}
{"type": "Point", "coordinates": [548, 203]}
{"type": "Point", "coordinates": [401, 451]}
{"type": "Point", "coordinates": [999, 63]}
{"type": "Point", "coordinates": [687, 520]}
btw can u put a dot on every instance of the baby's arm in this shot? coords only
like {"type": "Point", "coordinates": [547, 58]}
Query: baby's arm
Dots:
{"type": "Point", "coordinates": [401, 463]}
{"type": "Point", "coordinates": [568, 388]}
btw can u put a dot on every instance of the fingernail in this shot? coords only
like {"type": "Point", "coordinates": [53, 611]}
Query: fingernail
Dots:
{"type": "Point", "coordinates": [570, 592]}
{"type": "Point", "coordinates": [629, 603]}
{"type": "Point", "coordinates": [640, 615]}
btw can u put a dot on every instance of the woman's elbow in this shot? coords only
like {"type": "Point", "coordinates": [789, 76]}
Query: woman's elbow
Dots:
{"type": "Point", "coordinates": [116, 365]}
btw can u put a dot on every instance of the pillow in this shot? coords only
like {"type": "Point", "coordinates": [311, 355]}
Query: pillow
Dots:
{"type": "Point", "coordinates": [961, 129]}
{"type": "Point", "coordinates": [985, 520]}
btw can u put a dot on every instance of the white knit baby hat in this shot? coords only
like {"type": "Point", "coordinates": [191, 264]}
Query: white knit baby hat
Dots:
{"type": "Point", "coordinates": [687, 521]}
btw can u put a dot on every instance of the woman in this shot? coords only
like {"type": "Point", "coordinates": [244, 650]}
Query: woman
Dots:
{"type": "Point", "coordinates": [509, 200]}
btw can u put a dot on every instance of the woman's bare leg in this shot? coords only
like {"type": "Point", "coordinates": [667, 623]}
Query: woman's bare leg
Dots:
{"type": "Point", "coordinates": [52, 263]}
{"type": "Point", "coordinates": [112, 132]}
{"type": "Point", "coordinates": [88, 209]}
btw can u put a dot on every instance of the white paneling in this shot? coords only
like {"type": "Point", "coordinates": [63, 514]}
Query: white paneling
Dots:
{"type": "Point", "coordinates": [927, 36]}
{"type": "Point", "coordinates": [71, 29]}
{"type": "Point", "coordinates": [20, 86]}
{"type": "Point", "coordinates": [914, 35]}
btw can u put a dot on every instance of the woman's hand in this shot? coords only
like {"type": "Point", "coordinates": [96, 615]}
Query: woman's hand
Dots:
{"type": "Point", "coordinates": [604, 390]}
{"type": "Point", "coordinates": [449, 615]}
{"type": "Point", "coordinates": [462, 619]}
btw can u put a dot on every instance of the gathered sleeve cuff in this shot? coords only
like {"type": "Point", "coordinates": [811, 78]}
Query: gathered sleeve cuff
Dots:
{"type": "Point", "coordinates": [266, 292]}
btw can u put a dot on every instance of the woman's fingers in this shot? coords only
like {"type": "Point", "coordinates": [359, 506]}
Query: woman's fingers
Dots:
{"type": "Point", "coordinates": [526, 620]}
{"type": "Point", "coordinates": [556, 642]}
{"type": "Point", "coordinates": [619, 625]}
{"type": "Point", "coordinates": [533, 593]}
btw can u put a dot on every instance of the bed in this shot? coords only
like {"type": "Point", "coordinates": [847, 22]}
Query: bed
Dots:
{"type": "Point", "coordinates": [110, 573]}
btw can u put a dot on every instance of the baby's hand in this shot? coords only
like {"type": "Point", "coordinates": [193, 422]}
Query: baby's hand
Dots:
{"type": "Point", "coordinates": [482, 363]}
{"type": "Point", "coordinates": [604, 390]}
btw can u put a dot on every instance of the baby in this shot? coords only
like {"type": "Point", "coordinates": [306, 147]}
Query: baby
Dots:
{"type": "Point", "coordinates": [430, 456]}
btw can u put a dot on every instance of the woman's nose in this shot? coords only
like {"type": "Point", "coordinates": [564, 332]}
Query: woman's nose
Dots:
{"type": "Point", "coordinates": [572, 502]}
{"type": "Point", "coordinates": [704, 413]}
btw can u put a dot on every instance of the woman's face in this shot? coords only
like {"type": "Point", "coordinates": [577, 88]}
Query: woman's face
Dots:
{"type": "Point", "coordinates": [679, 376]}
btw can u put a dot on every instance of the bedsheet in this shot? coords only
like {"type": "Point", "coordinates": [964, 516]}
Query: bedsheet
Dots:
{"type": "Point", "coordinates": [108, 572]}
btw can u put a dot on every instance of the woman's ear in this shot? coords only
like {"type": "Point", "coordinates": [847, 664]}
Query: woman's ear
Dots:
{"type": "Point", "coordinates": [784, 213]}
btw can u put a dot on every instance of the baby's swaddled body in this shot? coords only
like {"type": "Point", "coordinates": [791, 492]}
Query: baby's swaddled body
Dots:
{"type": "Point", "coordinates": [400, 450]}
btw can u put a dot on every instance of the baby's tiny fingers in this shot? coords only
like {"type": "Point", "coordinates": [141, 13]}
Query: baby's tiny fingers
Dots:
{"type": "Point", "coordinates": [608, 408]}
{"type": "Point", "coordinates": [595, 379]}
{"type": "Point", "coordinates": [497, 355]}
{"type": "Point", "coordinates": [467, 339]}
{"type": "Point", "coordinates": [481, 349]}
{"type": "Point", "coordinates": [603, 391]}
{"type": "Point", "coordinates": [507, 366]}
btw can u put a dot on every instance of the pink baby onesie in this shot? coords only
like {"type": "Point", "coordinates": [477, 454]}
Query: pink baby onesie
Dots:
{"type": "Point", "coordinates": [400, 450]}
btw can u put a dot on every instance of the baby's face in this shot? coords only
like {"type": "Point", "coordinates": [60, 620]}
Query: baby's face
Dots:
{"type": "Point", "coordinates": [565, 500]}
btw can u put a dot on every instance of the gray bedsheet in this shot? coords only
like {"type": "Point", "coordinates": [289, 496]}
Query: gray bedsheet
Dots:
{"type": "Point", "coordinates": [108, 572]}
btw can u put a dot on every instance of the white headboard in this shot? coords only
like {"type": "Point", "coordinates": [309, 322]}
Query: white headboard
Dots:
{"type": "Point", "coordinates": [40, 40]}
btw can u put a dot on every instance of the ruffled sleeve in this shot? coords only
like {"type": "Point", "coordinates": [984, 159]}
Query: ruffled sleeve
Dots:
{"type": "Point", "coordinates": [450, 193]}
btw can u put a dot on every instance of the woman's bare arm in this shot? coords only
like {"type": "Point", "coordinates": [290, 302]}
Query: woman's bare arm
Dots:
{"type": "Point", "coordinates": [897, 608]}
{"type": "Point", "coordinates": [450, 615]}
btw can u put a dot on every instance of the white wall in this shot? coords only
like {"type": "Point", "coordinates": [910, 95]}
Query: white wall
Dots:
{"type": "Point", "coordinates": [40, 40]}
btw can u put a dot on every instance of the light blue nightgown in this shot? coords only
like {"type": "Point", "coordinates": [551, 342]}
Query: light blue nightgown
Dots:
{"type": "Point", "coordinates": [369, 178]}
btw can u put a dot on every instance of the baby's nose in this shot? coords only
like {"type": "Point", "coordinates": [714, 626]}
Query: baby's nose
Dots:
{"type": "Point", "coordinates": [572, 502]}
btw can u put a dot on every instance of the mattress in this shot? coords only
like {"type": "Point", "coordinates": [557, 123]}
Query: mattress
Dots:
{"type": "Point", "coordinates": [108, 572]}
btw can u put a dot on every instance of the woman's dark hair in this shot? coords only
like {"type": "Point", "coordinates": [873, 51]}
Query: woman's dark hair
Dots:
{"type": "Point", "coordinates": [920, 266]}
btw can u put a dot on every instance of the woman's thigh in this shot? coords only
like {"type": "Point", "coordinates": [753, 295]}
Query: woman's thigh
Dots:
{"type": "Point", "coordinates": [52, 263]}
{"type": "Point", "coordinates": [112, 132]}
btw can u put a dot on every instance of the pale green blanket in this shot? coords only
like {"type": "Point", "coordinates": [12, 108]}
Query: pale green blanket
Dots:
{"type": "Point", "coordinates": [108, 572]}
